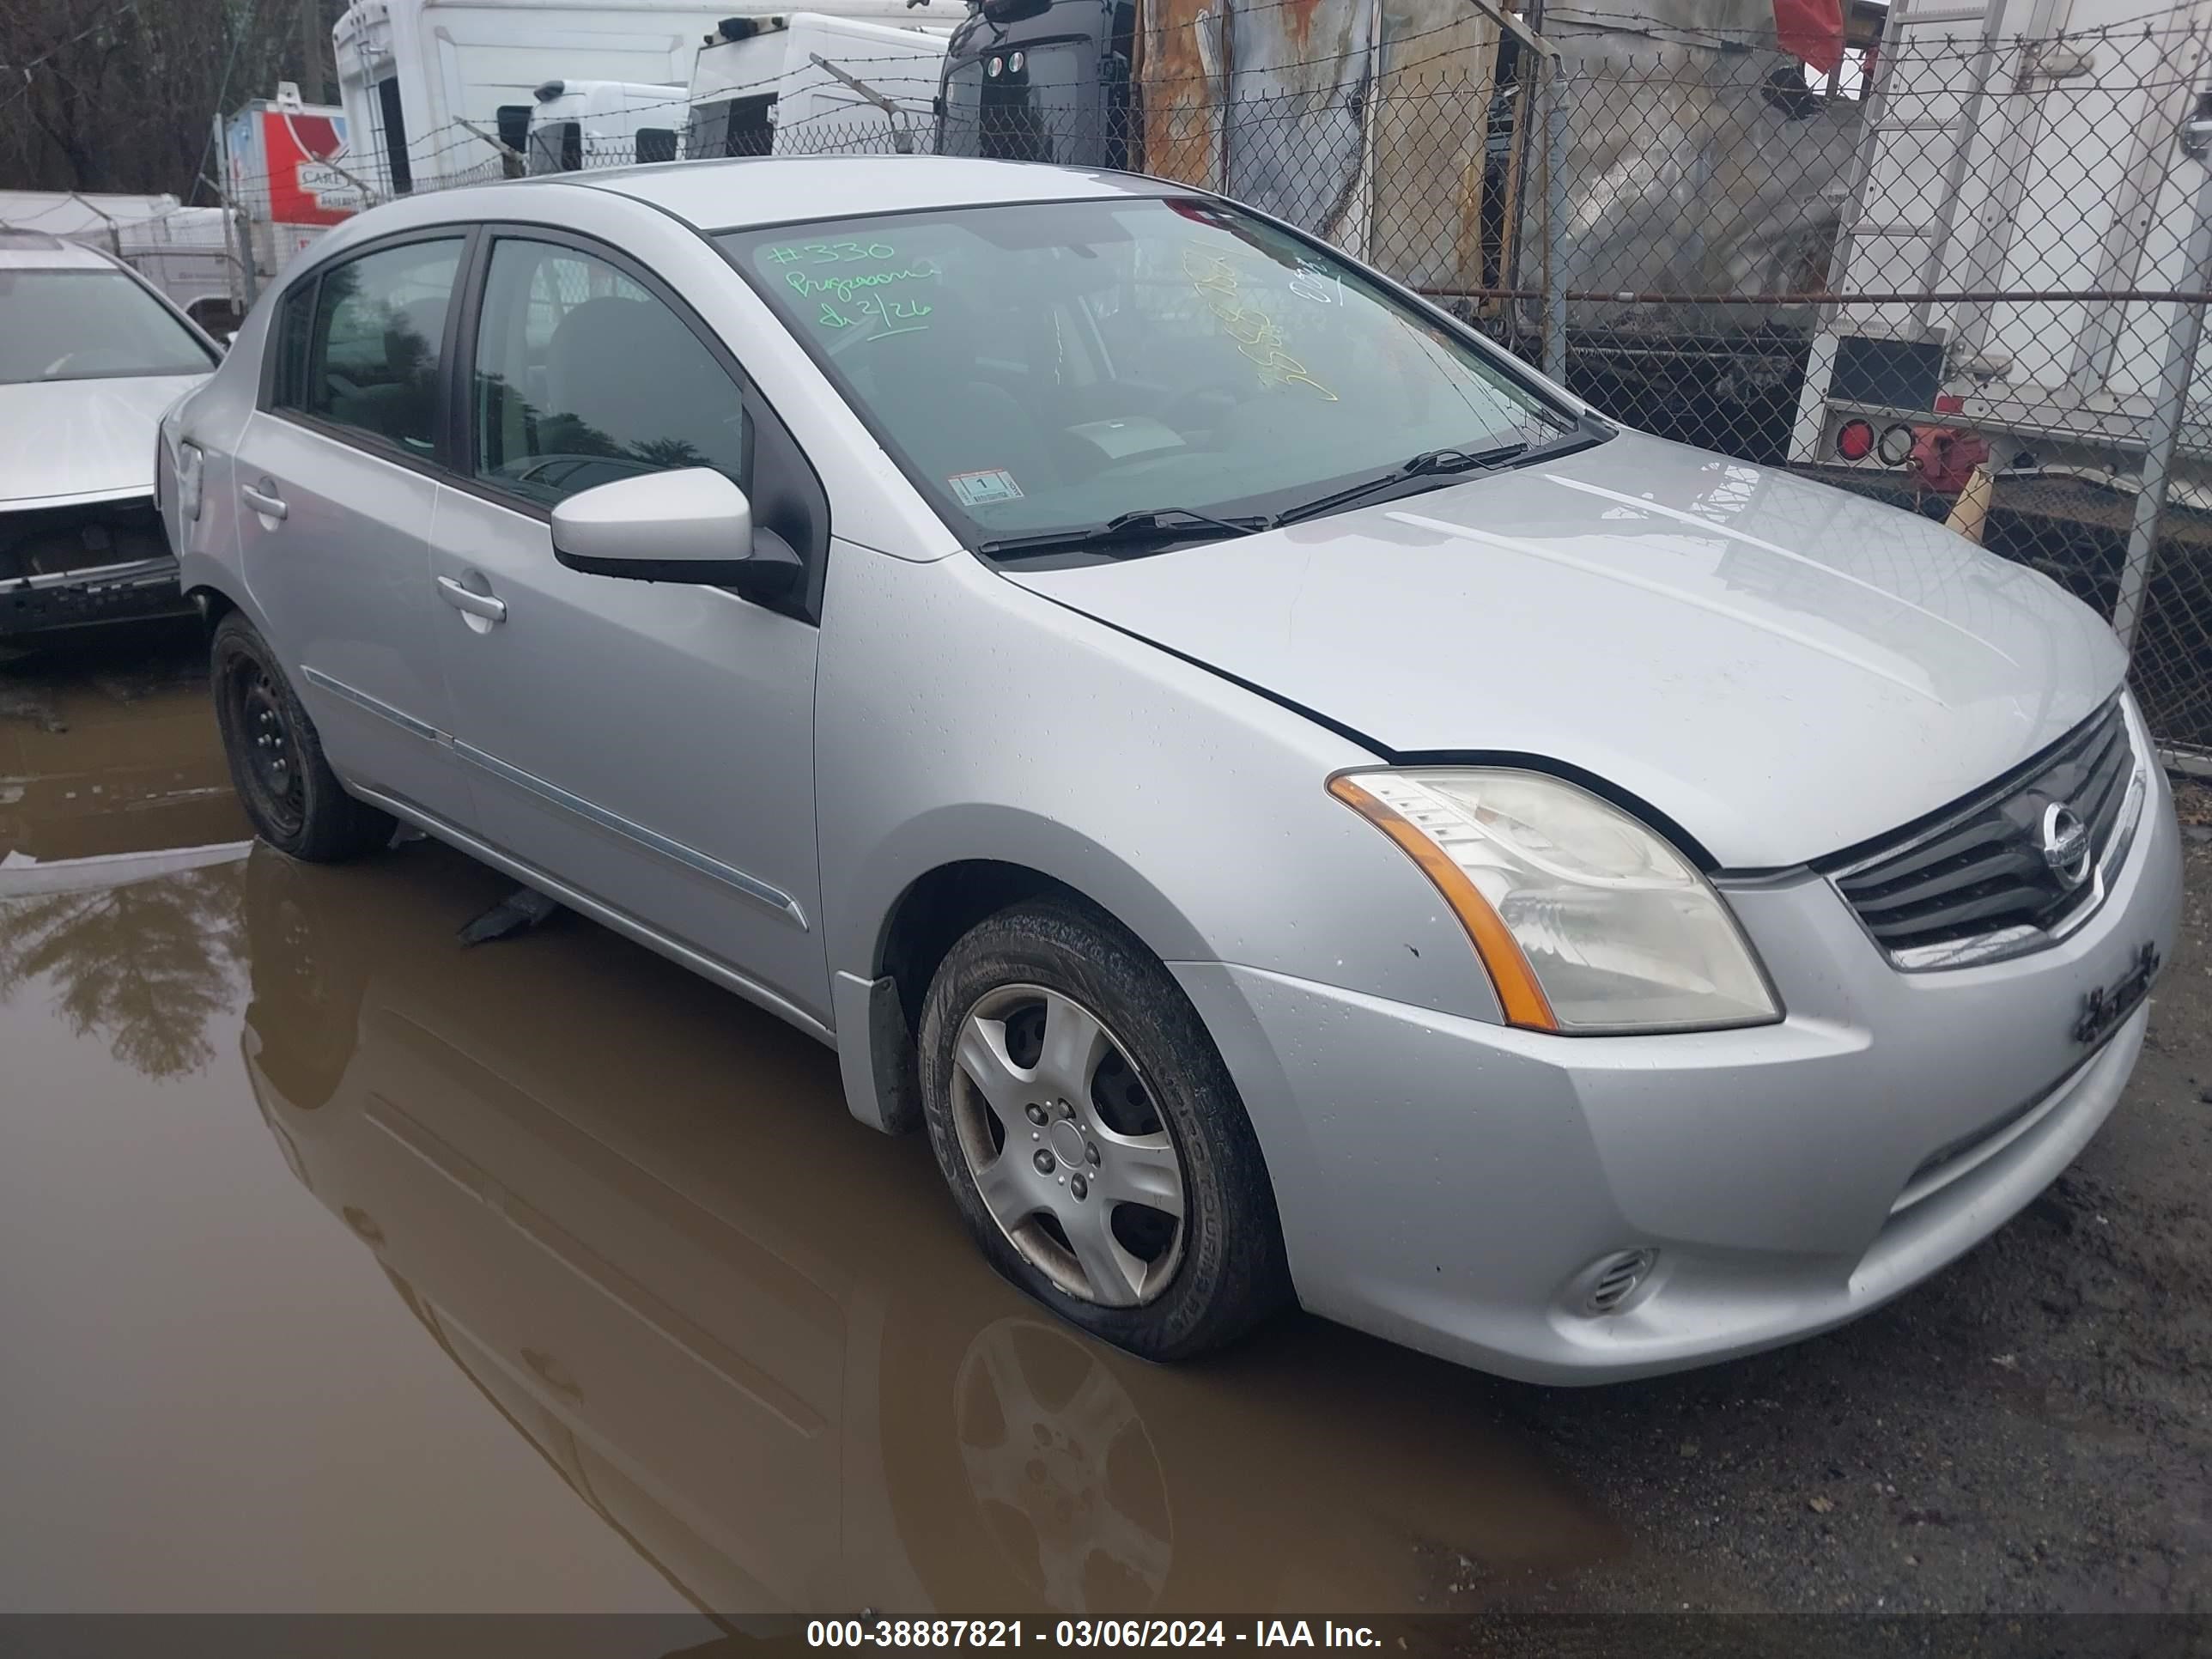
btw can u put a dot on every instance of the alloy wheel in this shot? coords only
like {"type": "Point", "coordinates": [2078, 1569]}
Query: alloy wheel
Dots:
{"type": "Point", "coordinates": [1067, 1148]}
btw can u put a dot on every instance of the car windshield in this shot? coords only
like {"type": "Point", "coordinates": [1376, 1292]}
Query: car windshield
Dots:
{"type": "Point", "coordinates": [1049, 366]}
{"type": "Point", "coordinates": [89, 325]}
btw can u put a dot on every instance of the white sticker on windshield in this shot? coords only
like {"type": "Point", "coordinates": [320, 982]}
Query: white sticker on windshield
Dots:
{"type": "Point", "coordinates": [981, 489]}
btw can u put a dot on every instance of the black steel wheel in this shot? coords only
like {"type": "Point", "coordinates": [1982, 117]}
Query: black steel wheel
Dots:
{"type": "Point", "coordinates": [291, 796]}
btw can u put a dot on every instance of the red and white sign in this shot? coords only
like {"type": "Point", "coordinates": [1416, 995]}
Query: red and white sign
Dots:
{"type": "Point", "coordinates": [302, 190]}
{"type": "Point", "coordinates": [281, 164]}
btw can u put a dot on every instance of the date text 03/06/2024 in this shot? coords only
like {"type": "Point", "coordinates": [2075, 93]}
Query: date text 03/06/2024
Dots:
{"type": "Point", "coordinates": [868, 1632]}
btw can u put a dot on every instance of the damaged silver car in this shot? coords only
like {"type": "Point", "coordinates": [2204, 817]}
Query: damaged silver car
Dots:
{"type": "Point", "coordinates": [90, 354]}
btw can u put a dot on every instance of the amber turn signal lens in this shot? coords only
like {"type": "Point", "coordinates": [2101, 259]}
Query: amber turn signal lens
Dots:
{"type": "Point", "coordinates": [1519, 996]}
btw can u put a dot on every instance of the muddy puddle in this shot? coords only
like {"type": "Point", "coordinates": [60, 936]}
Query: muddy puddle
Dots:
{"type": "Point", "coordinates": [345, 1267]}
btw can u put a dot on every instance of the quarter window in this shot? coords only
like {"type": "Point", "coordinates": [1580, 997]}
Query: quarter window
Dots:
{"type": "Point", "coordinates": [371, 359]}
{"type": "Point", "coordinates": [295, 333]}
{"type": "Point", "coordinates": [583, 376]}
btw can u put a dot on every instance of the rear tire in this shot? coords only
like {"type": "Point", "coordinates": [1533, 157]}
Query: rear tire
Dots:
{"type": "Point", "coordinates": [1051, 1037]}
{"type": "Point", "coordinates": [291, 796]}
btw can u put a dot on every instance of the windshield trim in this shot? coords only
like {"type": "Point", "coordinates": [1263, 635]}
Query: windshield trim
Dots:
{"type": "Point", "coordinates": [1580, 425]}
{"type": "Point", "coordinates": [185, 326]}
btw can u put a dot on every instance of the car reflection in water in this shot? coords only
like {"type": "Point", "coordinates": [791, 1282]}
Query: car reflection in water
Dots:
{"type": "Point", "coordinates": [750, 1336]}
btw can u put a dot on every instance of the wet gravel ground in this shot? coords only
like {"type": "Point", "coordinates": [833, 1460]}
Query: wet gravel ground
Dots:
{"type": "Point", "coordinates": [2029, 1431]}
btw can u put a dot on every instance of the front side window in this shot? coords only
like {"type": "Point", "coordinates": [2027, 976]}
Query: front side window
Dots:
{"type": "Point", "coordinates": [89, 325]}
{"type": "Point", "coordinates": [1045, 368]}
{"type": "Point", "coordinates": [371, 359]}
{"type": "Point", "coordinates": [583, 376]}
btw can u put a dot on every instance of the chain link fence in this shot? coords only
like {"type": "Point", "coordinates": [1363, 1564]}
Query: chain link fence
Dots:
{"type": "Point", "coordinates": [1964, 272]}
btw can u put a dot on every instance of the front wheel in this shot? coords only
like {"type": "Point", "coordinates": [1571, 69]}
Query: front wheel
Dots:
{"type": "Point", "coordinates": [291, 796]}
{"type": "Point", "coordinates": [1091, 1136]}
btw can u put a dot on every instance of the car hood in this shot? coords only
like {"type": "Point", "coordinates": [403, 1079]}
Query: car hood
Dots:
{"type": "Point", "coordinates": [1781, 668]}
{"type": "Point", "coordinates": [66, 438]}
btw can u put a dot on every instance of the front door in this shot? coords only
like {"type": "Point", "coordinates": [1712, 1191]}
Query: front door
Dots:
{"type": "Point", "coordinates": [336, 499]}
{"type": "Point", "coordinates": [649, 744]}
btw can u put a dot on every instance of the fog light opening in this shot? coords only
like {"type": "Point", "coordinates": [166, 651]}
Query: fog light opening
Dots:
{"type": "Point", "coordinates": [1610, 1284]}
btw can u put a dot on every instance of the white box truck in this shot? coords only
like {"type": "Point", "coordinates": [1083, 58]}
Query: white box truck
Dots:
{"type": "Point", "coordinates": [440, 92]}
{"type": "Point", "coordinates": [287, 177]}
{"type": "Point", "coordinates": [603, 124]}
{"type": "Point", "coordinates": [2029, 148]}
{"type": "Point", "coordinates": [188, 252]}
{"type": "Point", "coordinates": [860, 79]}
{"type": "Point", "coordinates": [443, 92]}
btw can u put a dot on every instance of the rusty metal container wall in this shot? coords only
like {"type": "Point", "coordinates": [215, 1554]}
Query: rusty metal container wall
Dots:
{"type": "Point", "coordinates": [1436, 75]}
{"type": "Point", "coordinates": [1300, 82]}
{"type": "Point", "coordinates": [1683, 175]}
{"type": "Point", "coordinates": [1350, 118]}
{"type": "Point", "coordinates": [1181, 96]}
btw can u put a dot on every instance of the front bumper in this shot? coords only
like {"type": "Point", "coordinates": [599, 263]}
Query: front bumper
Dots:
{"type": "Point", "coordinates": [1448, 1183]}
{"type": "Point", "coordinates": [130, 591]}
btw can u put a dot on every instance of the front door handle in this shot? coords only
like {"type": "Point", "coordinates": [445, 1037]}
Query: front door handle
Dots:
{"type": "Point", "coordinates": [269, 506]}
{"type": "Point", "coordinates": [463, 598]}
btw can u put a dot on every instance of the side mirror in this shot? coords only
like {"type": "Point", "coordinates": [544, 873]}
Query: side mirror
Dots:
{"type": "Point", "coordinates": [689, 526]}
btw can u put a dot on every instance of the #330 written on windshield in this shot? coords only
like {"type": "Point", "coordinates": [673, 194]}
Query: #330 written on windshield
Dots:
{"type": "Point", "coordinates": [850, 283]}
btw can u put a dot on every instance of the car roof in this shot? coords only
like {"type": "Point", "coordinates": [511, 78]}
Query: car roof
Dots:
{"type": "Point", "coordinates": [34, 250]}
{"type": "Point", "coordinates": [744, 192]}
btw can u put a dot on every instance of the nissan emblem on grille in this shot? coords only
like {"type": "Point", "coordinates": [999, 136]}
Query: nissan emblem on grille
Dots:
{"type": "Point", "coordinates": [2066, 846]}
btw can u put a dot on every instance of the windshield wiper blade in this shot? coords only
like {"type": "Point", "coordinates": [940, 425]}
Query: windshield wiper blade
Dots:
{"type": "Point", "coordinates": [1430, 463]}
{"type": "Point", "coordinates": [1152, 523]}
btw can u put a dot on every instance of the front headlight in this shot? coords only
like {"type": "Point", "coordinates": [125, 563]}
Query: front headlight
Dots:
{"type": "Point", "coordinates": [1586, 921]}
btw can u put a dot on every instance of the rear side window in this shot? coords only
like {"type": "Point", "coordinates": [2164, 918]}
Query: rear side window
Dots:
{"type": "Point", "coordinates": [369, 359]}
{"type": "Point", "coordinates": [584, 376]}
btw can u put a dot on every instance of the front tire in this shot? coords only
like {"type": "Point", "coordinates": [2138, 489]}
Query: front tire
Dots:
{"type": "Point", "coordinates": [291, 796]}
{"type": "Point", "coordinates": [1093, 1140]}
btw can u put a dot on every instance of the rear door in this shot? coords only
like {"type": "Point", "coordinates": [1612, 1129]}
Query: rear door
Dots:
{"type": "Point", "coordinates": [651, 745]}
{"type": "Point", "coordinates": [335, 476]}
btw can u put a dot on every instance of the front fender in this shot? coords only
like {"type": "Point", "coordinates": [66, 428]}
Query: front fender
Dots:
{"type": "Point", "coordinates": [1005, 833]}
{"type": "Point", "coordinates": [960, 717]}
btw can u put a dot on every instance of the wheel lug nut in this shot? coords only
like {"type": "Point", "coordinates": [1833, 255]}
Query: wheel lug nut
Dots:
{"type": "Point", "coordinates": [1090, 1153]}
{"type": "Point", "coordinates": [1044, 1161]}
{"type": "Point", "coordinates": [1036, 1112]}
{"type": "Point", "coordinates": [1079, 1187]}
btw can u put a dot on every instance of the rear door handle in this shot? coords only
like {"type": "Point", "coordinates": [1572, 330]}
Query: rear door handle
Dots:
{"type": "Point", "coordinates": [466, 598]}
{"type": "Point", "coordinates": [269, 506]}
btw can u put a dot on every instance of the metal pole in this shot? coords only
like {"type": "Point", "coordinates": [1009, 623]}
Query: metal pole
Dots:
{"type": "Point", "coordinates": [2182, 338]}
{"type": "Point", "coordinates": [1555, 214]}
{"type": "Point", "coordinates": [314, 40]}
{"type": "Point", "coordinates": [250, 286]}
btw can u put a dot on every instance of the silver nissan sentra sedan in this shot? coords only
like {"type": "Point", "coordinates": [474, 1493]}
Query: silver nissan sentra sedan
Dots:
{"type": "Point", "coordinates": [1297, 805]}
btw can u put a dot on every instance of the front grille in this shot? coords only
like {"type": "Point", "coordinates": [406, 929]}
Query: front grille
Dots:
{"type": "Point", "coordinates": [50, 541]}
{"type": "Point", "coordinates": [1978, 869]}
